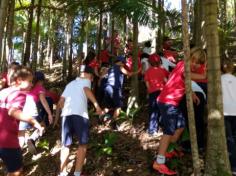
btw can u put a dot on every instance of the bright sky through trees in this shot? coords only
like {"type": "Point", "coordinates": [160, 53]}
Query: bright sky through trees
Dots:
{"type": "Point", "coordinates": [173, 4]}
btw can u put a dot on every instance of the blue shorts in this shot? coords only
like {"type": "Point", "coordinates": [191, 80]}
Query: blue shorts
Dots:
{"type": "Point", "coordinates": [12, 158]}
{"type": "Point", "coordinates": [74, 125]}
{"type": "Point", "coordinates": [25, 125]}
{"type": "Point", "coordinates": [171, 118]}
{"type": "Point", "coordinates": [112, 97]}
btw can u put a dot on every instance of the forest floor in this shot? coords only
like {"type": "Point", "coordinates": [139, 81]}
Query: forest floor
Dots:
{"type": "Point", "coordinates": [128, 151]}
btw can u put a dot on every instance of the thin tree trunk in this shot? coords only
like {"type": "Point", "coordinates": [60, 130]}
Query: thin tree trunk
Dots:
{"type": "Point", "coordinates": [3, 12]}
{"type": "Point", "coordinates": [134, 98]}
{"type": "Point", "coordinates": [99, 35]}
{"type": "Point", "coordinates": [10, 27]}
{"type": "Point", "coordinates": [125, 29]}
{"type": "Point", "coordinates": [35, 49]}
{"type": "Point", "coordinates": [217, 162]}
{"type": "Point", "coordinates": [70, 67]}
{"type": "Point", "coordinates": [49, 41]}
{"type": "Point", "coordinates": [29, 34]}
{"type": "Point", "coordinates": [159, 39]}
{"type": "Point", "coordinates": [191, 121]}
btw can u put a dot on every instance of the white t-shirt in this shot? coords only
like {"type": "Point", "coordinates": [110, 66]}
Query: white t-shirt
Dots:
{"type": "Point", "coordinates": [166, 63]}
{"type": "Point", "coordinates": [228, 82]}
{"type": "Point", "coordinates": [76, 102]}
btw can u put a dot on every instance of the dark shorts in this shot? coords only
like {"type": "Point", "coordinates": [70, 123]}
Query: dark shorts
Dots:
{"type": "Point", "coordinates": [74, 125]}
{"type": "Point", "coordinates": [171, 118]}
{"type": "Point", "coordinates": [12, 158]}
{"type": "Point", "coordinates": [112, 97]}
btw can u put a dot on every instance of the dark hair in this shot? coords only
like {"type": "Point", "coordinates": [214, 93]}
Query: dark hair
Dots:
{"type": "Point", "coordinates": [90, 56]}
{"type": "Point", "coordinates": [21, 72]}
{"type": "Point", "coordinates": [148, 44]}
{"type": "Point", "coordinates": [227, 66]}
{"type": "Point", "coordinates": [38, 76]}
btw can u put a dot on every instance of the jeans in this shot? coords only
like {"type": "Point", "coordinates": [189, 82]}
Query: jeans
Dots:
{"type": "Point", "coordinates": [230, 128]}
{"type": "Point", "coordinates": [154, 113]}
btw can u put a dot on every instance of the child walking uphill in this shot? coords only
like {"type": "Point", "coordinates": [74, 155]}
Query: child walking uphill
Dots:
{"type": "Point", "coordinates": [12, 100]}
{"type": "Point", "coordinates": [228, 82]}
{"type": "Point", "coordinates": [168, 102]}
{"type": "Point", "coordinates": [34, 96]}
{"type": "Point", "coordinates": [75, 119]}
{"type": "Point", "coordinates": [155, 78]}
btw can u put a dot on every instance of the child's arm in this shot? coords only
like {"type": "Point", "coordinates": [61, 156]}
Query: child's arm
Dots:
{"type": "Point", "coordinates": [18, 114]}
{"type": "Point", "coordinates": [92, 98]}
{"type": "Point", "coordinates": [147, 84]}
{"type": "Point", "coordinates": [60, 105]}
{"type": "Point", "coordinates": [46, 107]}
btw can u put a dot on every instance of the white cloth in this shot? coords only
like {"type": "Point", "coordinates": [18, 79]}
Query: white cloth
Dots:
{"type": "Point", "coordinates": [166, 63]}
{"type": "Point", "coordinates": [145, 64]}
{"type": "Point", "coordinates": [228, 82]}
{"type": "Point", "coordinates": [147, 50]}
{"type": "Point", "coordinates": [30, 107]}
{"type": "Point", "coordinates": [197, 88]}
{"type": "Point", "coordinates": [76, 102]}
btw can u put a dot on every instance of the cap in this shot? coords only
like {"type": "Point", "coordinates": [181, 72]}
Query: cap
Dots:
{"type": "Point", "coordinates": [86, 69]}
{"type": "Point", "coordinates": [39, 76]}
{"type": "Point", "coordinates": [120, 59]}
{"type": "Point", "coordinates": [154, 58]}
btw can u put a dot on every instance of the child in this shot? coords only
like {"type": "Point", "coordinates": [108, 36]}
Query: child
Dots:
{"type": "Point", "coordinates": [34, 96]}
{"type": "Point", "coordinates": [75, 119]}
{"type": "Point", "coordinates": [12, 100]}
{"type": "Point", "coordinates": [113, 87]}
{"type": "Point", "coordinates": [173, 122]}
{"type": "Point", "coordinates": [155, 78]}
{"type": "Point", "coordinates": [228, 82]}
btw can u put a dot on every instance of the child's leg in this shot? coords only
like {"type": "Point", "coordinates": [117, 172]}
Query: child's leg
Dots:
{"type": "Point", "coordinates": [64, 155]}
{"type": "Point", "coordinates": [81, 154]}
{"type": "Point", "coordinates": [176, 135]}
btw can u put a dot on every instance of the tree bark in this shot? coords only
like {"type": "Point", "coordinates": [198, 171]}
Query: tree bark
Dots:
{"type": "Point", "coordinates": [160, 33]}
{"type": "Point", "coordinates": [217, 162]}
{"type": "Point", "coordinates": [99, 35]}
{"type": "Point", "coordinates": [10, 27]}
{"type": "Point", "coordinates": [29, 34]}
{"type": "Point", "coordinates": [3, 12]}
{"type": "Point", "coordinates": [36, 42]}
{"type": "Point", "coordinates": [191, 119]}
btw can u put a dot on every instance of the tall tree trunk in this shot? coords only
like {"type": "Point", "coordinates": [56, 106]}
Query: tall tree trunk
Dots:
{"type": "Point", "coordinates": [49, 40]}
{"type": "Point", "coordinates": [234, 11]}
{"type": "Point", "coordinates": [198, 21]}
{"type": "Point", "coordinates": [70, 67]}
{"type": "Point", "coordinates": [3, 12]}
{"type": "Point", "coordinates": [161, 26]}
{"type": "Point", "coordinates": [112, 32]}
{"type": "Point", "coordinates": [134, 98]}
{"type": "Point", "coordinates": [29, 34]}
{"type": "Point", "coordinates": [99, 35]}
{"type": "Point", "coordinates": [125, 29]}
{"type": "Point", "coordinates": [36, 44]}
{"type": "Point", "coordinates": [191, 119]}
{"type": "Point", "coordinates": [10, 26]}
{"type": "Point", "coordinates": [217, 162]}
{"type": "Point", "coordinates": [67, 37]}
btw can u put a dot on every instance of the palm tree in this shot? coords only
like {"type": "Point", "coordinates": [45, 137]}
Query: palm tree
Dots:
{"type": "Point", "coordinates": [217, 162]}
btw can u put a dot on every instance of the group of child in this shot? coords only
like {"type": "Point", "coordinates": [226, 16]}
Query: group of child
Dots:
{"type": "Point", "coordinates": [165, 88]}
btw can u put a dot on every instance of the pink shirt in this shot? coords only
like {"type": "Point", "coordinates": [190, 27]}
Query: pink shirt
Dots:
{"type": "Point", "coordinates": [10, 98]}
{"type": "Point", "coordinates": [174, 89]}
{"type": "Point", "coordinates": [156, 78]}
{"type": "Point", "coordinates": [36, 91]}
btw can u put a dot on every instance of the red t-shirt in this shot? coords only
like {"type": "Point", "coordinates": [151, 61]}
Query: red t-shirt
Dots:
{"type": "Point", "coordinates": [156, 78]}
{"type": "Point", "coordinates": [200, 70]}
{"type": "Point", "coordinates": [36, 91]}
{"type": "Point", "coordinates": [53, 95]}
{"type": "Point", "coordinates": [170, 55]}
{"type": "Point", "coordinates": [104, 56]}
{"type": "Point", "coordinates": [174, 89]}
{"type": "Point", "coordinates": [129, 64]}
{"type": "Point", "coordinates": [94, 63]}
{"type": "Point", "coordinates": [10, 98]}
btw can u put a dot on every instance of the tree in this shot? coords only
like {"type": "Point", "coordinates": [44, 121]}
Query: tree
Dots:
{"type": "Point", "coordinates": [191, 119]}
{"type": "Point", "coordinates": [217, 162]}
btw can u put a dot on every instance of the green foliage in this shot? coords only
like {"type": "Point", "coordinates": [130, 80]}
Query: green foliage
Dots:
{"type": "Point", "coordinates": [109, 141]}
{"type": "Point", "coordinates": [43, 144]}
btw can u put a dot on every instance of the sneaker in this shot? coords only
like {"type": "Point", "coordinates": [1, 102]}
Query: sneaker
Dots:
{"type": "Point", "coordinates": [31, 146]}
{"type": "Point", "coordinates": [173, 154]}
{"type": "Point", "coordinates": [163, 169]}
